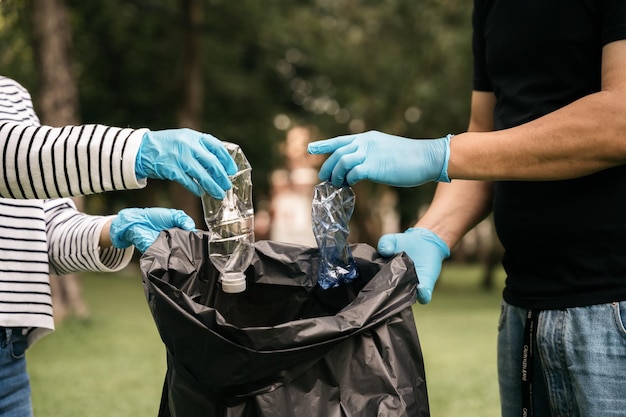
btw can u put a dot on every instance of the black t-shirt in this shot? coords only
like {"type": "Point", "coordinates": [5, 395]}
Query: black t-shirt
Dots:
{"type": "Point", "coordinates": [565, 241]}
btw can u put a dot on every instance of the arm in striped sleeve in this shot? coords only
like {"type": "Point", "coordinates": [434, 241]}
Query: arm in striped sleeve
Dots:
{"type": "Point", "coordinates": [74, 241]}
{"type": "Point", "coordinates": [46, 162]}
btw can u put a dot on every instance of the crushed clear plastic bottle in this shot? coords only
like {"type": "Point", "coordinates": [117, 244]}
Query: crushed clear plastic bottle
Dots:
{"type": "Point", "coordinates": [231, 225]}
{"type": "Point", "coordinates": [331, 212]}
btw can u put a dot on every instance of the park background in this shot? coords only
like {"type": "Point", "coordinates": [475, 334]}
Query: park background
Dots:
{"type": "Point", "coordinates": [251, 72]}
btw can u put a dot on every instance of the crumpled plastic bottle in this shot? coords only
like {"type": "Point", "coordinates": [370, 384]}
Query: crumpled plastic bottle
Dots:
{"type": "Point", "coordinates": [331, 212]}
{"type": "Point", "coordinates": [231, 225]}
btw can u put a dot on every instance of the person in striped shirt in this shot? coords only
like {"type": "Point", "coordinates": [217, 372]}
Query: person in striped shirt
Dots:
{"type": "Point", "coordinates": [42, 232]}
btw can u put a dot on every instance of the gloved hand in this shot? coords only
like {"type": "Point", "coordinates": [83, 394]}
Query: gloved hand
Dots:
{"type": "Point", "coordinates": [383, 158]}
{"type": "Point", "coordinates": [426, 250]}
{"type": "Point", "coordinates": [195, 160]}
{"type": "Point", "coordinates": [141, 226]}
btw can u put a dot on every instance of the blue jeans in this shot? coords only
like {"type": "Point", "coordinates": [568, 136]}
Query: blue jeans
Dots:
{"type": "Point", "coordinates": [579, 361]}
{"type": "Point", "coordinates": [14, 382]}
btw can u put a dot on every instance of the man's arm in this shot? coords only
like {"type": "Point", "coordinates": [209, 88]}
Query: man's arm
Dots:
{"type": "Point", "coordinates": [586, 136]}
{"type": "Point", "coordinates": [460, 205]}
{"type": "Point", "coordinates": [455, 209]}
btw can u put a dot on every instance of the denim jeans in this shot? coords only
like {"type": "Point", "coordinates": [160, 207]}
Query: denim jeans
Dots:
{"type": "Point", "coordinates": [579, 361]}
{"type": "Point", "coordinates": [14, 382]}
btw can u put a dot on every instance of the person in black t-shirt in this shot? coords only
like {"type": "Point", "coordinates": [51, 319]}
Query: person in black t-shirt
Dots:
{"type": "Point", "coordinates": [546, 151]}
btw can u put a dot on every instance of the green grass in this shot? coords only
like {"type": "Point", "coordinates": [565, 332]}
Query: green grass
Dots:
{"type": "Point", "coordinates": [110, 365]}
{"type": "Point", "coordinates": [113, 364]}
{"type": "Point", "coordinates": [457, 331]}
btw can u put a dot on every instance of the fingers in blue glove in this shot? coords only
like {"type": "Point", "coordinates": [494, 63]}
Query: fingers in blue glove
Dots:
{"type": "Point", "coordinates": [383, 158]}
{"type": "Point", "coordinates": [141, 226]}
{"type": "Point", "coordinates": [330, 145]}
{"type": "Point", "coordinates": [226, 164]}
{"type": "Point", "coordinates": [335, 168]}
{"type": "Point", "coordinates": [426, 250]}
{"type": "Point", "coordinates": [196, 160]}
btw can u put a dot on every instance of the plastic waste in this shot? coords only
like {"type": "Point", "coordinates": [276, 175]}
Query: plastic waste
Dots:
{"type": "Point", "coordinates": [231, 225]}
{"type": "Point", "coordinates": [331, 212]}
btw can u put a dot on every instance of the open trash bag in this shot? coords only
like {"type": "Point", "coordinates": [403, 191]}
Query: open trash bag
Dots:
{"type": "Point", "coordinates": [284, 347]}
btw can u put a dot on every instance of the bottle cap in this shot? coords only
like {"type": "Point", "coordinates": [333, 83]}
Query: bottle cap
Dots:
{"type": "Point", "coordinates": [233, 282]}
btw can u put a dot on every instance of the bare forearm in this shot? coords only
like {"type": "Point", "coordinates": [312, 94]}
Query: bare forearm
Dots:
{"type": "Point", "coordinates": [456, 208]}
{"type": "Point", "coordinates": [584, 137]}
{"type": "Point", "coordinates": [561, 145]}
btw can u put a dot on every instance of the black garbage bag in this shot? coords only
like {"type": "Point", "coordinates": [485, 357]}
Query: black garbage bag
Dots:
{"type": "Point", "coordinates": [284, 347]}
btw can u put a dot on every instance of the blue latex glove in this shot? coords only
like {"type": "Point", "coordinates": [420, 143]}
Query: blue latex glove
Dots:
{"type": "Point", "coordinates": [426, 250]}
{"type": "Point", "coordinates": [196, 160]}
{"type": "Point", "coordinates": [141, 226]}
{"type": "Point", "coordinates": [383, 158]}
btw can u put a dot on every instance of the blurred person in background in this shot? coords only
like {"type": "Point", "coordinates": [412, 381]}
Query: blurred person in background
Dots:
{"type": "Point", "coordinates": [42, 233]}
{"type": "Point", "coordinates": [292, 190]}
{"type": "Point", "coordinates": [546, 150]}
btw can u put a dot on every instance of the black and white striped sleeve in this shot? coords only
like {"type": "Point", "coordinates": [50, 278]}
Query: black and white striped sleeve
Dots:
{"type": "Point", "coordinates": [45, 162]}
{"type": "Point", "coordinates": [74, 240]}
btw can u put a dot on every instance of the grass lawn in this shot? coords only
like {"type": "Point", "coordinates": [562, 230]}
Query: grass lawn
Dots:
{"type": "Point", "coordinates": [110, 365]}
{"type": "Point", "coordinates": [113, 364]}
{"type": "Point", "coordinates": [457, 331]}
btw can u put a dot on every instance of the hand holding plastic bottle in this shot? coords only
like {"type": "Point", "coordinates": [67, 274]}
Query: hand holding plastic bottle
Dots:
{"type": "Point", "coordinates": [426, 250]}
{"type": "Point", "coordinates": [196, 160]}
{"type": "Point", "coordinates": [383, 158]}
{"type": "Point", "coordinates": [141, 226]}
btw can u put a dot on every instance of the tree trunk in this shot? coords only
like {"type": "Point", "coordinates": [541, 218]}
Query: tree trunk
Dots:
{"type": "Point", "coordinates": [192, 89]}
{"type": "Point", "coordinates": [58, 95]}
{"type": "Point", "coordinates": [57, 105]}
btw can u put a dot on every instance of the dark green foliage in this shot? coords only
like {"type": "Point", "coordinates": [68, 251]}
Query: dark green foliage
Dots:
{"type": "Point", "coordinates": [339, 65]}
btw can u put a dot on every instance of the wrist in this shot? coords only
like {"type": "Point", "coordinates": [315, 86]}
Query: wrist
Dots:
{"type": "Point", "coordinates": [140, 173]}
{"type": "Point", "coordinates": [431, 237]}
{"type": "Point", "coordinates": [443, 173]}
{"type": "Point", "coordinates": [105, 235]}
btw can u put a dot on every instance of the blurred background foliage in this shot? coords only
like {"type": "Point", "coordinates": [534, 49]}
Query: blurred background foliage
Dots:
{"type": "Point", "coordinates": [344, 66]}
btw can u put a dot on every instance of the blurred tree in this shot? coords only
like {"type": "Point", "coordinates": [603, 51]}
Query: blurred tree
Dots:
{"type": "Point", "coordinates": [57, 105]}
{"type": "Point", "coordinates": [16, 53]}
{"type": "Point", "coordinates": [191, 84]}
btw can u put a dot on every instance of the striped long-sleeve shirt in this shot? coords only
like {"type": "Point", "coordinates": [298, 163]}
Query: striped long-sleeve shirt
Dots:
{"type": "Point", "coordinates": [39, 232]}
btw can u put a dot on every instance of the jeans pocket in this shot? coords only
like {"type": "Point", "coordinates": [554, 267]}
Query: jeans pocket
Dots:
{"type": "Point", "coordinates": [504, 309]}
{"type": "Point", "coordinates": [18, 346]}
{"type": "Point", "coordinates": [620, 316]}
